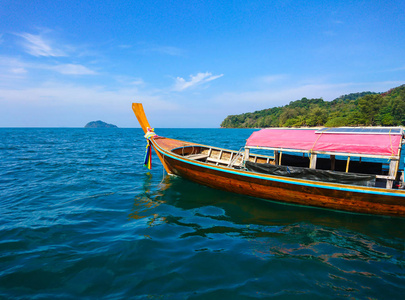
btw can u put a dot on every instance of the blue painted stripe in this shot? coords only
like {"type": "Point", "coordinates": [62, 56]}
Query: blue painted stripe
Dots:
{"type": "Point", "coordinates": [271, 178]}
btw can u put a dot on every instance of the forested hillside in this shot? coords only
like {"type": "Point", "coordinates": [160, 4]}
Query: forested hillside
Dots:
{"type": "Point", "coordinates": [357, 109]}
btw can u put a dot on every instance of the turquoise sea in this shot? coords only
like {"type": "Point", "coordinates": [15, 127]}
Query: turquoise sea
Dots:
{"type": "Point", "coordinates": [81, 218]}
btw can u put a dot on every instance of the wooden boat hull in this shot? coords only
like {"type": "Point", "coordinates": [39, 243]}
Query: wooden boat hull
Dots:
{"type": "Point", "coordinates": [302, 192]}
{"type": "Point", "coordinates": [351, 198]}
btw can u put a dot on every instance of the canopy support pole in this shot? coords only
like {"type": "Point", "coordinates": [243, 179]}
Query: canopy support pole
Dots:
{"type": "Point", "coordinates": [392, 173]}
{"type": "Point", "coordinates": [332, 162]}
{"type": "Point", "coordinates": [276, 161]}
{"type": "Point", "coordinates": [247, 154]}
{"type": "Point", "coordinates": [312, 161]}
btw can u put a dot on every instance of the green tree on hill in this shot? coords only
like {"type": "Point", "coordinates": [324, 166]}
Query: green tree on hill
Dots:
{"type": "Point", "coordinates": [369, 107]}
{"type": "Point", "coordinates": [357, 109]}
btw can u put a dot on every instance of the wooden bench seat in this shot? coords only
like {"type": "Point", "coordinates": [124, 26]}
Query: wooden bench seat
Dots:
{"type": "Point", "coordinates": [197, 156]}
{"type": "Point", "coordinates": [220, 161]}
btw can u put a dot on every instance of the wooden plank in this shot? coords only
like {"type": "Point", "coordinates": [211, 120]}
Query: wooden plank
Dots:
{"type": "Point", "coordinates": [384, 177]}
{"type": "Point", "coordinates": [218, 161]}
{"type": "Point", "coordinates": [219, 157]}
{"type": "Point", "coordinates": [196, 156]}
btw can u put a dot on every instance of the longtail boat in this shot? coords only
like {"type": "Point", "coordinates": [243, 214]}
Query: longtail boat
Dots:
{"type": "Point", "coordinates": [347, 169]}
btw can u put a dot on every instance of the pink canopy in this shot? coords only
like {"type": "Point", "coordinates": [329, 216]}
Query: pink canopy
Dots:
{"type": "Point", "coordinates": [307, 140]}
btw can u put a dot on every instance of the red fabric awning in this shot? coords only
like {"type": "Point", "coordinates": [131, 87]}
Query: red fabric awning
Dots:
{"type": "Point", "coordinates": [307, 140]}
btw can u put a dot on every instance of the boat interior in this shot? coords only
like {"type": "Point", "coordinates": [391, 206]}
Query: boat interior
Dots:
{"type": "Point", "coordinates": [221, 157]}
{"type": "Point", "coordinates": [385, 174]}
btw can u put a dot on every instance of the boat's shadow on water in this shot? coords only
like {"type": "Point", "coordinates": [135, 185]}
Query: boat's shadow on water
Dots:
{"type": "Point", "coordinates": [240, 210]}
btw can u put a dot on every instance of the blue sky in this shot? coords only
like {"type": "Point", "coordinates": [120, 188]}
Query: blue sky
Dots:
{"type": "Point", "coordinates": [191, 63]}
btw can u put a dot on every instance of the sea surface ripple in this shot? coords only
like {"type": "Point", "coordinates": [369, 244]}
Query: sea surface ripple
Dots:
{"type": "Point", "coordinates": [82, 218]}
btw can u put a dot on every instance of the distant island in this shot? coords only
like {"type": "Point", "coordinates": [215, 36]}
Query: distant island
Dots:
{"type": "Point", "coordinates": [357, 109]}
{"type": "Point", "coordinates": [99, 124]}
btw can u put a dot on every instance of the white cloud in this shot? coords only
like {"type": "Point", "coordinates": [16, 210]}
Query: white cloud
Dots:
{"type": "Point", "coordinates": [60, 104]}
{"type": "Point", "coordinates": [201, 78]}
{"type": "Point", "coordinates": [18, 70]}
{"type": "Point", "coordinates": [129, 81]}
{"type": "Point", "coordinates": [138, 81]}
{"type": "Point", "coordinates": [11, 68]}
{"type": "Point", "coordinates": [38, 46]}
{"type": "Point", "coordinates": [395, 69]}
{"type": "Point", "coordinates": [329, 33]}
{"type": "Point", "coordinates": [73, 69]}
{"type": "Point", "coordinates": [147, 49]}
{"type": "Point", "coordinates": [124, 46]}
{"type": "Point", "coordinates": [272, 78]}
{"type": "Point", "coordinates": [248, 101]}
{"type": "Point", "coordinates": [173, 51]}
